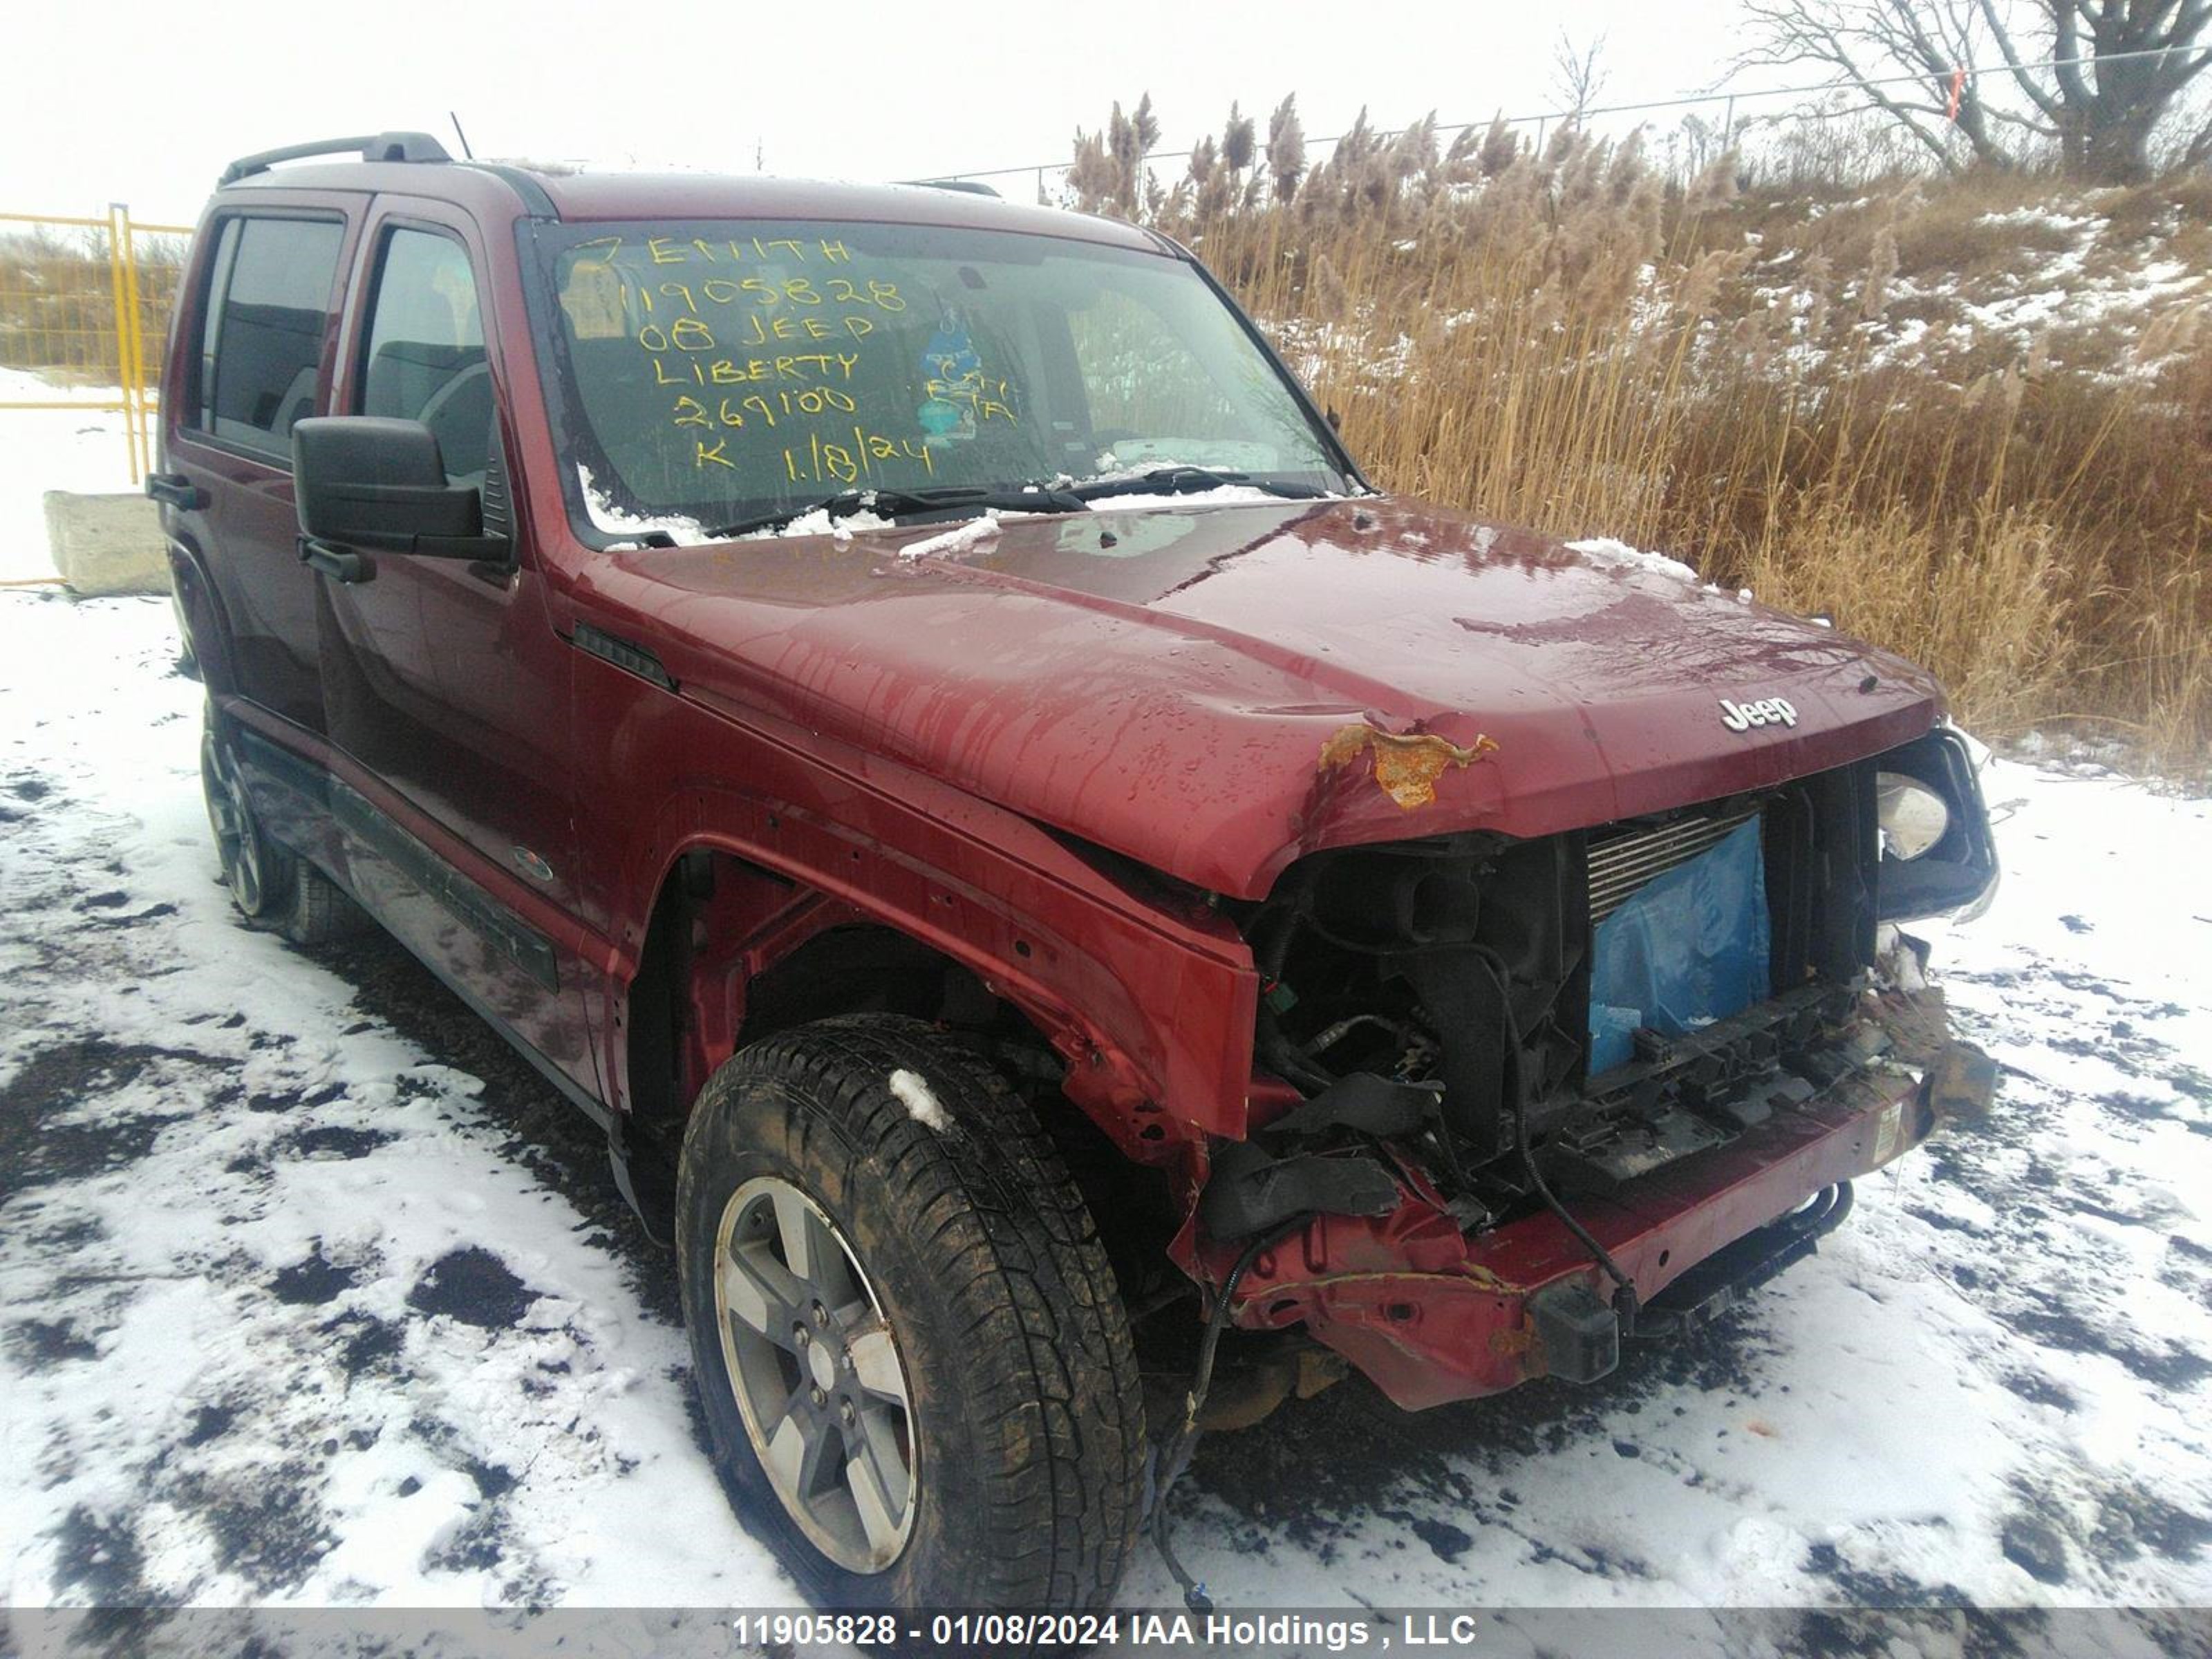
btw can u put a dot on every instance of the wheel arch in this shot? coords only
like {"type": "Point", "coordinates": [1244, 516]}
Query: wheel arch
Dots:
{"type": "Point", "coordinates": [203, 626]}
{"type": "Point", "coordinates": [733, 950]}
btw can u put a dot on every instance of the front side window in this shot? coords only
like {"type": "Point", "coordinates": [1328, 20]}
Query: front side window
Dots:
{"type": "Point", "coordinates": [425, 358]}
{"type": "Point", "coordinates": [710, 372]}
{"type": "Point", "coordinates": [1141, 378]}
{"type": "Point", "coordinates": [262, 348]}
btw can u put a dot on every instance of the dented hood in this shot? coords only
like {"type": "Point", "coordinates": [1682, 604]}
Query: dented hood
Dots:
{"type": "Point", "coordinates": [1215, 689]}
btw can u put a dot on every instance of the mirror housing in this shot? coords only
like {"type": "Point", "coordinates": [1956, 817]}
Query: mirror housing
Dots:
{"type": "Point", "coordinates": [366, 481]}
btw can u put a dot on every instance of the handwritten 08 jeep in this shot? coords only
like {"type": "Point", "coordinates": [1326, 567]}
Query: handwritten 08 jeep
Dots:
{"type": "Point", "coordinates": [903, 711]}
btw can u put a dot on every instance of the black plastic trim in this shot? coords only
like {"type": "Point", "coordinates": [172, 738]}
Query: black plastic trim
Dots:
{"type": "Point", "coordinates": [1579, 1334]}
{"type": "Point", "coordinates": [524, 184]}
{"type": "Point", "coordinates": [354, 812]}
{"type": "Point", "coordinates": [175, 489]}
{"type": "Point", "coordinates": [630, 659]}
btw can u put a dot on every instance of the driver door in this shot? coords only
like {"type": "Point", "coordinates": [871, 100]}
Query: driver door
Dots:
{"type": "Point", "coordinates": [444, 682]}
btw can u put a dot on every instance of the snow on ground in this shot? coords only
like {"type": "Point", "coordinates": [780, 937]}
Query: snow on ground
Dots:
{"type": "Point", "coordinates": [310, 1292]}
{"type": "Point", "coordinates": [286, 1315]}
{"type": "Point", "coordinates": [51, 449]}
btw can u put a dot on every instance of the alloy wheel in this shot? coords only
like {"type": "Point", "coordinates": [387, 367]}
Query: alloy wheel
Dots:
{"type": "Point", "coordinates": [230, 815]}
{"type": "Point", "coordinates": [817, 1374]}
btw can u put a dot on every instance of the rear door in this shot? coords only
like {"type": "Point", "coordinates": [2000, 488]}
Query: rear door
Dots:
{"type": "Point", "coordinates": [266, 344]}
{"type": "Point", "coordinates": [443, 679]}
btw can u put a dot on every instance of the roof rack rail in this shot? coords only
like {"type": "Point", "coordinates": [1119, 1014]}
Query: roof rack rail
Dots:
{"type": "Point", "coordinates": [965, 186]}
{"type": "Point", "coordinates": [373, 146]}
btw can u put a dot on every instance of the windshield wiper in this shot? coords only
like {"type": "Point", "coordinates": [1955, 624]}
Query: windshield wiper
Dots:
{"type": "Point", "coordinates": [892, 503]}
{"type": "Point", "coordinates": [1189, 480]}
{"type": "Point", "coordinates": [906, 503]}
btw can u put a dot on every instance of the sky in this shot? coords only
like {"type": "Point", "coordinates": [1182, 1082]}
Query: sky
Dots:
{"type": "Point", "coordinates": [849, 90]}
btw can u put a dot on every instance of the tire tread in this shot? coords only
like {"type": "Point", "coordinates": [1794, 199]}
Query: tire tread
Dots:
{"type": "Point", "coordinates": [1013, 1242]}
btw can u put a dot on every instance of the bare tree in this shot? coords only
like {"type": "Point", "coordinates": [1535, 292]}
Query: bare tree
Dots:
{"type": "Point", "coordinates": [2108, 110]}
{"type": "Point", "coordinates": [2118, 70]}
{"type": "Point", "coordinates": [1576, 77]}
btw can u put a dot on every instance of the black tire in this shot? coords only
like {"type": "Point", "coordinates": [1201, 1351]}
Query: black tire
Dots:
{"type": "Point", "coordinates": [1024, 1403]}
{"type": "Point", "coordinates": [320, 912]}
{"type": "Point", "coordinates": [273, 887]}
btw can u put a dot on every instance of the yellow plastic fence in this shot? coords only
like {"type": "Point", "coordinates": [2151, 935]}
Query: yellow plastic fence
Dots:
{"type": "Point", "coordinates": [84, 310]}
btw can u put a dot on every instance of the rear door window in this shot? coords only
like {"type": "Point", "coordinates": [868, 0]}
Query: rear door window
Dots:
{"type": "Point", "coordinates": [262, 346]}
{"type": "Point", "coordinates": [425, 349]}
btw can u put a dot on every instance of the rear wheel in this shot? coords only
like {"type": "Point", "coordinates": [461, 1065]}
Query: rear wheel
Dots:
{"type": "Point", "coordinates": [915, 1370]}
{"type": "Point", "coordinates": [272, 887]}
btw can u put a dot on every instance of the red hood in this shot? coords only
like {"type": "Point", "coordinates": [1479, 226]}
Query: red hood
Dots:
{"type": "Point", "coordinates": [1203, 694]}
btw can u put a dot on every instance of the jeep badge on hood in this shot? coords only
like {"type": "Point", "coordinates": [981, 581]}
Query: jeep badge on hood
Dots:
{"type": "Point", "coordinates": [1773, 711]}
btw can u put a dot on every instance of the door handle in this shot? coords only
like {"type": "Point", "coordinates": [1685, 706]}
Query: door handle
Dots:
{"type": "Point", "coordinates": [175, 489]}
{"type": "Point", "coordinates": [336, 562]}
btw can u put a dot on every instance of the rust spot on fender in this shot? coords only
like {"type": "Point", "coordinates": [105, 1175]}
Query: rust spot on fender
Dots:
{"type": "Point", "coordinates": [1406, 768]}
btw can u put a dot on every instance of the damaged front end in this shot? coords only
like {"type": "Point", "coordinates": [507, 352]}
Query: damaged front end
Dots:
{"type": "Point", "coordinates": [1517, 1099]}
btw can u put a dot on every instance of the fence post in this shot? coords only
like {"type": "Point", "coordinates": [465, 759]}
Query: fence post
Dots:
{"type": "Point", "coordinates": [124, 377]}
{"type": "Point", "coordinates": [135, 321]}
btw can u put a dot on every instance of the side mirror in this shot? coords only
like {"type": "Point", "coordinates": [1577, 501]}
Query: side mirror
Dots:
{"type": "Point", "coordinates": [363, 482]}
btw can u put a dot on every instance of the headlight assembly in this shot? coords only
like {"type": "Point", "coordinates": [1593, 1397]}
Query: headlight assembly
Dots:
{"type": "Point", "coordinates": [1914, 818]}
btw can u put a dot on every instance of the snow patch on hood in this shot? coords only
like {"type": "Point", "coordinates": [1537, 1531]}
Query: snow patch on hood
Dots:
{"type": "Point", "coordinates": [619, 522]}
{"type": "Point", "coordinates": [922, 1105]}
{"type": "Point", "coordinates": [959, 539]}
{"type": "Point", "coordinates": [1220, 496]}
{"type": "Point", "coordinates": [840, 527]}
{"type": "Point", "coordinates": [1606, 551]}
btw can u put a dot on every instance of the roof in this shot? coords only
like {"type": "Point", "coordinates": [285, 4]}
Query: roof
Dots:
{"type": "Point", "coordinates": [587, 197]}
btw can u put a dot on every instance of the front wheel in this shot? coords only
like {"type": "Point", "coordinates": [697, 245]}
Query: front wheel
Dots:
{"type": "Point", "coordinates": [917, 1375]}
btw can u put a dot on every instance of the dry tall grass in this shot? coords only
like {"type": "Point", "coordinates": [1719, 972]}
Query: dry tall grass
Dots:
{"type": "Point", "coordinates": [1970, 423]}
{"type": "Point", "coordinates": [57, 301]}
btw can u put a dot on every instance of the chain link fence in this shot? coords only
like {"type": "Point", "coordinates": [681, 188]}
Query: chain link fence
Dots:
{"type": "Point", "coordinates": [84, 312]}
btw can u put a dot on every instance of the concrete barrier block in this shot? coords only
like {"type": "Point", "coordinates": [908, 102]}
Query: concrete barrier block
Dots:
{"type": "Point", "coordinates": [107, 543]}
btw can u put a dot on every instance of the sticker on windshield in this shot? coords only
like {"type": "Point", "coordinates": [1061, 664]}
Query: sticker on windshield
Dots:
{"type": "Point", "coordinates": [592, 295]}
{"type": "Point", "coordinates": [953, 375]}
{"type": "Point", "coordinates": [950, 359]}
{"type": "Point", "coordinates": [959, 397]}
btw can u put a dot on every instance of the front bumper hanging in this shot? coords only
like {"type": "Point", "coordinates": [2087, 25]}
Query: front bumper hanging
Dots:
{"type": "Point", "coordinates": [1432, 1314]}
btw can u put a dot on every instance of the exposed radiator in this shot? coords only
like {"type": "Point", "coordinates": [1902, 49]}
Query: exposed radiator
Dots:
{"type": "Point", "coordinates": [1622, 860]}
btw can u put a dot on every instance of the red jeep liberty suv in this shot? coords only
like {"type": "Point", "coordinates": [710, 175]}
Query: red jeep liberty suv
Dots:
{"type": "Point", "coordinates": [901, 707]}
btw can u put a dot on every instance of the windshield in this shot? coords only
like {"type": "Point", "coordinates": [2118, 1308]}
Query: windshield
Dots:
{"type": "Point", "coordinates": [713, 373]}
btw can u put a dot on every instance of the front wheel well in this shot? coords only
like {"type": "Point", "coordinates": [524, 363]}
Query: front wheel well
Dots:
{"type": "Point", "coordinates": [735, 954]}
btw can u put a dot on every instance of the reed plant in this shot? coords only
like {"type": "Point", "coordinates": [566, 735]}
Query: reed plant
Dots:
{"type": "Point", "coordinates": [1971, 420]}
